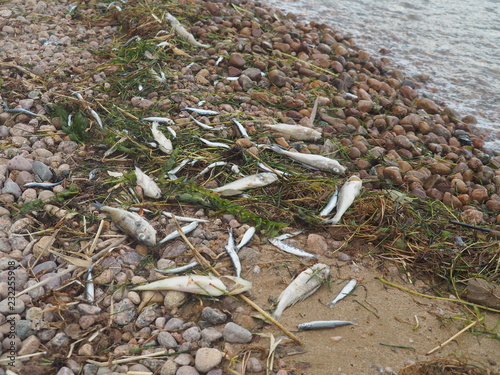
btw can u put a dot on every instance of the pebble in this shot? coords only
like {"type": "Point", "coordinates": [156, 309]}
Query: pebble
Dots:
{"type": "Point", "coordinates": [192, 334]}
{"type": "Point", "coordinates": [23, 329]}
{"type": "Point", "coordinates": [316, 244]}
{"type": "Point", "coordinates": [42, 171]}
{"type": "Point", "coordinates": [211, 334]}
{"type": "Point", "coordinates": [236, 334]}
{"type": "Point", "coordinates": [187, 370]}
{"type": "Point", "coordinates": [7, 308]}
{"type": "Point", "coordinates": [65, 371]}
{"type": "Point", "coordinates": [147, 316]}
{"type": "Point", "coordinates": [174, 324]}
{"type": "Point", "coordinates": [207, 358]}
{"type": "Point", "coordinates": [125, 312]}
{"type": "Point", "coordinates": [20, 163]}
{"type": "Point", "coordinates": [213, 316]}
{"type": "Point", "coordinates": [166, 340]}
{"type": "Point", "coordinates": [29, 346]}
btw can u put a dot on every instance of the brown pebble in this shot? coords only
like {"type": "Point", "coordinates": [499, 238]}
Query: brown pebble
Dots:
{"type": "Point", "coordinates": [472, 216]}
{"type": "Point", "coordinates": [393, 175]}
{"type": "Point", "coordinates": [237, 60]}
{"type": "Point", "coordinates": [480, 194]}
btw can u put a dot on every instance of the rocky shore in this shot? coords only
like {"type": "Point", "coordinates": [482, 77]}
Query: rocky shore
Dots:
{"type": "Point", "coordinates": [259, 66]}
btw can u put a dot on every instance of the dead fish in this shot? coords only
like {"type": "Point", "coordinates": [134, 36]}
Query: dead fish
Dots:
{"type": "Point", "coordinates": [321, 324]}
{"type": "Point", "coordinates": [290, 249]}
{"type": "Point", "coordinates": [89, 286]}
{"type": "Point", "coordinates": [172, 131]}
{"type": "Point", "coordinates": [45, 185]}
{"type": "Point", "coordinates": [231, 251]}
{"type": "Point", "coordinates": [178, 269]}
{"type": "Point", "coordinates": [317, 161]}
{"type": "Point", "coordinates": [199, 284]}
{"type": "Point", "coordinates": [344, 292]}
{"type": "Point", "coordinates": [97, 117]}
{"type": "Point", "coordinates": [182, 32]}
{"type": "Point", "coordinates": [131, 223]}
{"type": "Point", "coordinates": [246, 238]}
{"type": "Point", "coordinates": [22, 111]}
{"type": "Point", "coordinates": [162, 44]}
{"type": "Point", "coordinates": [305, 284]}
{"type": "Point", "coordinates": [241, 129]}
{"type": "Point", "coordinates": [164, 144]}
{"type": "Point", "coordinates": [150, 188]}
{"type": "Point", "coordinates": [159, 77]}
{"type": "Point", "coordinates": [249, 182]}
{"type": "Point", "coordinates": [213, 165]}
{"type": "Point", "coordinates": [349, 191]}
{"type": "Point", "coordinates": [171, 173]}
{"type": "Point", "coordinates": [165, 120]}
{"type": "Point", "coordinates": [185, 229]}
{"type": "Point", "coordinates": [274, 170]}
{"type": "Point", "coordinates": [201, 125]}
{"type": "Point", "coordinates": [213, 144]}
{"type": "Point", "coordinates": [202, 112]}
{"type": "Point", "coordinates": [331, 204]}
{"type": "Point", "coordinates": [286, 236]}
{"type": "Point", "coordinates": [298, 132]}
{"type": "Point", "coordinates": [183, 218]}
{"type": "Point", "coordinates": [219, 60]}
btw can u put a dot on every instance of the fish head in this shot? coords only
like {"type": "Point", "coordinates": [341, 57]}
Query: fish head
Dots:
{"type": "Point", "coordinates": [321, 271]}
{"type": "Point", "coordinates": [236, 285]}
{"type": "Point", "coordinates": [339, 169]}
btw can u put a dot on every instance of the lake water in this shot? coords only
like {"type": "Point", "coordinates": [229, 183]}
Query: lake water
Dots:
{"type": "Point", "coordinates": [455, 42]}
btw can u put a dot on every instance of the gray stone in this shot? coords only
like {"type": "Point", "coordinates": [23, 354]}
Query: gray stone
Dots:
{"type": "Point", "coordinates": [67, 147]}
{"type": "Point", "coordinates": [60, 340]}
{"type": "Point", "coordinates": [20, 277]}
{"type": "Point", "coordinates": [65, 371]}
{"type": "Point", "coordinates": [166, 340]}
{"type": "Point", "coordinates": [187, 370]}
{"type": "Point", "coordinates": [87, 309]}
{"type": "Point", "coordinates": [23, 329]}
{"type": "Point", "coordinates": [254, 365]}
{"type": "Point", "coordinates": [5, 263]}
{"type": "Point", "coordinates": [23, 178]}
{"type": "Point", "coordinates": [42, 171]}
{"type": "Point", "coordinates": [213, 316]}
{"type": "Point", "coordinates": [147, 316]}
{"type": "Point", "coordinates": [54, 283]}
{"type": "Point", "coordinates": [236, 334]}
{"type": "Point", "coordinates": [125, 312]}
{"type": "Point", "coordinates": [45, 267]}
{"type": "Point", "coordinates": [10, 187]}
{"type": "Point", "coordinates": [207, 358]}
{"type": "Point", "coordinates": [211, 334]}
{"type": "Point", "coordinates": [184, 359]}
{"type": "Point", "coordinates": [192, 334]}
{"type": "Point", "coordinates": [29, 346]}
{"type": "Point", "coordinates": [173, 324]}
{"type": "Point", "coordinates": [168, 368]}
{"type": "Point", "coordinates": [7, 308]}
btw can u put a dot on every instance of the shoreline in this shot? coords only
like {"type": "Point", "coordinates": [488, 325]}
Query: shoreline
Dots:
{"type": "Point", "coordinates": [420, 167]}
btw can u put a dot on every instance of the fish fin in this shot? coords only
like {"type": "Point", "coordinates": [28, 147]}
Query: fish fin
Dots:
{"type": "Point", "coordinates": [97, 205]}
{"type": "Point", "coordinates": [276, 148]}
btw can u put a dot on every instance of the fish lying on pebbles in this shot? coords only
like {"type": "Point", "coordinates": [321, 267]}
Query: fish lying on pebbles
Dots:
{"type": "Point", "coordinates": [182, 32]}
{"type": "Point", "coordinates": [131, 223]}
{"type": "Point", "coordinates": [249, 182]}
{"type": "Point", "coordinates": [199, 284]}
{"type": "Point", "coordinates": [214, 144]}
{"type": "Point", "coordinates": [150, 188]}
{"type": "Point", "coordinates": [302, 287]}
{"type": "Point", "coordinates": [164, 144]}
{"type": "Point", "coordinates": [349, 191]}
{"type": "Point", "coordinates": [298, 132]}
{"type": "Point", "coordinates": [231, 251]}
{"type": "Point", "coordinates": [165, 120]}
{"type": "Point", "coordinates": [317, 161]}
{"type": "Point", "coordinates": [202, 112]}
{"type": "Point", "coordinates": [290, 249]}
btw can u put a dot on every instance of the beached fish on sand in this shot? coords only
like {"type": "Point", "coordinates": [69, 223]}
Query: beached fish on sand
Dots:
{"type": "Point", "coordinates": [164, 144]}
{"type": "Point", "coordinates": [298, 132]}
{"type": "Point", "coordinates": [316, 161]}
{"type": "Point", "coordinates": [349, 191]}
{"type": "Point", "coordinates": [302, 287]}
{"type": "Point", "coordinates": [131, 223]}
{"type": "Point", "coordinates": [249, 182]}
{"type": "Point", "coordinates": [246, 238]}
{"type": "Point", "coordinates": [150, 188]}
{"type": "Point", "coordinates": [322, 324]}
{"type": "Point", "coordinates": [231, 251]}
{"type": "Point", "coordinates": [199, 284]}
{"type": "Point", "coordinates": [344, 292]}
{"type": "Point", "coordinates": [332, 203]}
{"type": "Point", "coordinates": [290, 248]}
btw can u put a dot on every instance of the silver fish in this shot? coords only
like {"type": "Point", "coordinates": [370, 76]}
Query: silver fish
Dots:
{"type": "Point", "coordinates": [93, 173]}
{"type": "Point", "coordinates": [317, 161]}
{"type": "Point", "coordinates": [131, 223]}
{"type": "Point", "coordinates": [331, 204]}
{"type": "Point", "coordinates": [246, 238]}
{"type": "Point", "coordinates": [178, 269]}
{"type": "Point", "coordinates": [203, 112]}
{"type": "Point", "coordinates": [290, 249]}
{"type": "Point", "coordinates": [213, 144]}
{"type": "Point", "coordinates": [185, 229]}
{"type": "Point", "coordinates": [321, 324]}
{"type": "Point", "coordinates": [183, 218]}
{"type": "Point", "coordinates": [286, 236]}
{"type": "Point", "coordinates": [171, 173]}
{"type": "Point", "coordinates": [182, 32]}
{"type": "Point", "coordinates": [298, 132]}
{"type": "Point", "coordinates": [344, 292]}
{"type": "Point", "coordinates": [249, 182]}
{"type": "Point", "coordinates": [281, 173]}
{"type": "Point", "coordinates": [349, 191]}
{"type": "Point", "coordinates": [172, 131]}
{"type": "Point", "coordinates": [162, 44]}
{"type": "Point", "coordinates": [89, 286]}
{"type": "Point", "coordinates": [77, 94]}
{"type": "Point", "coordinates": [201, 125]}
{"type": "Point", "coordinates": [231, 251]}
{"type": "Point", "coordinates": [96, 116]}
{"type": "Point", "coordinates": [135, 38]}
{"type": "Point", "coordinates": [164, 144]}
{"type": "Point", "coordinates": [241, 129]}
{"type": "Point", "coordinates": [22, 111]}
{"type": "Point", "coordinates": [305, 284]}
{"type": "Point", "coordinates": [165, 120]}
{"type": "Point", "coordinates": [44, 185]}
{"type": "Point", "coordinates": [219, 60]}
{"type": "Point", "coordinates": [213, 165]}
{"type": "Point", "coordinates": [150, 188]}
{"type": "Point", "coordinates": [350, 95]}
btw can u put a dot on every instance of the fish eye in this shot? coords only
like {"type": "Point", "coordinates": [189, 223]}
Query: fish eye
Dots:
{"type": "Point", "coordinates": [141, 236]}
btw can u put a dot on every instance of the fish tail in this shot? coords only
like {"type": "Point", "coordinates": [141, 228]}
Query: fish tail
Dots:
{"type": "Point", "coordinates": [97, 205]}
{"type": "Point", "coordinates": [276, 149]}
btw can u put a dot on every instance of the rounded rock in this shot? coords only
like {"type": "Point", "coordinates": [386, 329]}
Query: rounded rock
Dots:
{"type": "Point", "coordinates": [125, 312]}
{"type": "Point", "coordinates": [393, 175]}
{"type": "Point", "coordinates": [187, 370]}
{"type": "Point", "coordinates": [207, 358]}
{"type": "Point", "coordinates": [237, 60]}
{"type": "Point", "coordinates": [213, 316]}
{"type": "Point", "coordinates": [8, 308]}
{"type": "Point", "coordinates": [236, 334]}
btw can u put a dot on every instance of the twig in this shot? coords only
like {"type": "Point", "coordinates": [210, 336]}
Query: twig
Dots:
{"type": "Point", "coordinates": [434, 297]}
{"type": "Point", "coordinates": [397, 346]}
{"type": "Point", "coordinates": [5, 360]}
{"type": "Point", "coordinates": [451, 338]}
{"type": "Point", "coordinates": [125, 360]}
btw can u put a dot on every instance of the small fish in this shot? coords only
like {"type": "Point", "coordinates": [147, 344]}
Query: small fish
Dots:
{"type": "Point", "coordinates": [161, 77]}
{"type": "Point", "coordinates": [290, 249]}
{"type": "Point", "coordinates": [249, 182]}
{"type": "Point", "coordinates": [231, 251]}
{"type": "Point", "coordinates": [136, 38]}
{"type": "Point", "coordinates": [298, 132]}
{"type": "Point", "coordinates": [201, 102]}
{"type": "Point", "coordinates": [77, 94]}
{"type": "Point", "coordinates": [202, 112]}
{"type": "Point", "coordinates": [321, 324]}
{"type": "Point", "coordinates": [182, 32]}
{"type": "Point", "coordinates": [352, 96]}
{"type": "Point", "coordinates": [305, 284]}
{"type": "Point", "coordinates": [89, 286]}
{"type": "Point", "coordinates": [317, 161]}
{"type": "Point", "coordinates": [44, 185]}
{"type": "Point", "coordinates": [22, 111]}
{"type": "Point", "coordinates": [171, 173]}
{"type": "Point", "coordinates": [246, 238]}
{"type": "Point", "coordinates": [150, 188]}
{"type": "Point", "coordinates": [232, 78]}
{"type": "Point", "coordinates": [164, 144]}
{"type": "Point", "coordinates": [286, 236]}
{"type": "Point", "coordinates": [72, 9]}
{"type": "Point", "coordinates": [331, 204]}
{"type": "Point", "coordinates": [211, 166]}
{"type": "Point", "coordinates": [241, 129]}
{"type": "Point", "coordinates": [97, 118]}
{"type": "Point", "coordinates": [344, 292]}
{"type": "Point", "coordinates": [93, 173]}
{"type": "Point", "coordinates": [69, 122]}
{"type": "Point", "coordinates": [185, 229]}
{"type": "Point", "coordinates": [183, 218]}
{"type": "Point", "coordinates": [162, 44]}
{"type": "Point", "coordinates": [213, 144]}
{"type": "Point", "coordinates": [172, 131]}
{"type": "Point", "coordinates": [274, 170]}
{"type": "Point", "coordinates": [199, 284]}
{"type": "Point", "coordinates": [349, 191]}
{"type": "Point", "coordinates": [178, 269]}
{"type": "Point", "coordinates": [219, 60]}
{"type": "Point", "coordinates": [165, 120]}
{"type": "Point", "coordinates": [131, 223]}
{"type": "Point", "coordinates": [201, 125]}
